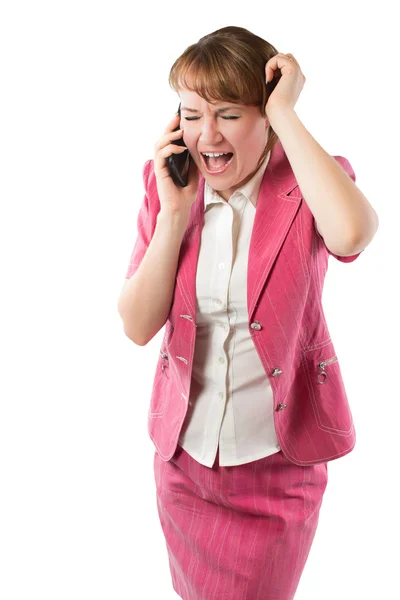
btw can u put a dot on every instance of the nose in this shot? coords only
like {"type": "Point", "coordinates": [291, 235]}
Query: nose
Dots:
{"type": "Point", "coordinates": [210, 133]}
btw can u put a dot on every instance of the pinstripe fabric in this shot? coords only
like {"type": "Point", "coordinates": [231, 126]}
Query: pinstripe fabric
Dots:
{"type": "Point", "coordinates": [238, 533]}
{"type": "Point", "coordinates": [287, 264]}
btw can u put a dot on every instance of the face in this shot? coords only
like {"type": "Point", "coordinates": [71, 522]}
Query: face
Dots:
{"type": "Point", "coordinates": [241, 130]}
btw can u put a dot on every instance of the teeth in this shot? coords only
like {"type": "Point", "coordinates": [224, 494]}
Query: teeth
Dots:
{"type": "Point", "coordinates": [215, 153]}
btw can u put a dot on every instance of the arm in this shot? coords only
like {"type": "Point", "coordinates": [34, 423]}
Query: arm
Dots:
{"type": "Point", "coordinates": [344, 217]}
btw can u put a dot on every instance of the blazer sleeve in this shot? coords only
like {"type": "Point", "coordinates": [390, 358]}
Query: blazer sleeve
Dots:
{"type": "Point", "coordinates": [145, 226]}
{"type": "Point", "coordinates": [349, 170]}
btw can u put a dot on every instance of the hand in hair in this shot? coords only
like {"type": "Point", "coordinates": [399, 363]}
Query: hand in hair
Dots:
{"type": "Point", "coordinates": [287, 91]}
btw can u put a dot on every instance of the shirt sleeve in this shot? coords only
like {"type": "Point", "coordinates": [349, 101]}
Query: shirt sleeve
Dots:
{"type": "Point", "coordinates": [349, 170]}
{"type": "Point", "coordinates": [145, 227]}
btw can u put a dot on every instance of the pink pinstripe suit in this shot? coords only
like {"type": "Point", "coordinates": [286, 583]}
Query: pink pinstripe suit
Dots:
{"type": "Point", "coordinates": [269, 507]}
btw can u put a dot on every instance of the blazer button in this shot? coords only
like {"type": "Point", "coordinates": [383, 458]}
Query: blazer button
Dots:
{"type": "Point", "coordinates": [276, 372]}
{"type": "Point", "coordinates": [281, 406]}
{"type": "Point", "coordinates": [256, 325]}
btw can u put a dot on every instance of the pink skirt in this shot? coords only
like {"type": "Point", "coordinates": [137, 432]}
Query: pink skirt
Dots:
{"type": "Point", "coordinates": [241, 532]}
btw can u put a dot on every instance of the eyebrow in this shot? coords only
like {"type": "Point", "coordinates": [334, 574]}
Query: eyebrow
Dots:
{"type": "Point", "coordinates": [219, 110]}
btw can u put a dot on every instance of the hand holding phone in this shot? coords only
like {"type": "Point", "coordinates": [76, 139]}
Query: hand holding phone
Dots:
{"type": "Point", "coordinates": [177, 180]}
{"type": "Point", "coordinates": [179, 164]}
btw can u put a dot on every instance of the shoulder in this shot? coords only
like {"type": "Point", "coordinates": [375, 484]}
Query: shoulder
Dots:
{"type": "Point", "coordinates": [346, 166]}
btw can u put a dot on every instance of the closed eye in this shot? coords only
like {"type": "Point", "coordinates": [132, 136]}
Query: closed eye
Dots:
{"type": "Point", "coordinates": [195, 118]}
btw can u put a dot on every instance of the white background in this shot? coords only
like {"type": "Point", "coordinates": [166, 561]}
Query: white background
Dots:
{"type": "Point", "coordinates": [84, 98]}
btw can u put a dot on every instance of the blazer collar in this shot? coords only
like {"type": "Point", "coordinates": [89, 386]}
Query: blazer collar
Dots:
{"type": "Point", "coordinates": [276, 208]}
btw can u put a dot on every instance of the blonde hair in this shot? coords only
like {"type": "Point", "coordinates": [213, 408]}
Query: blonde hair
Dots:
{"type": "Point", "coordinates": [228, 64]}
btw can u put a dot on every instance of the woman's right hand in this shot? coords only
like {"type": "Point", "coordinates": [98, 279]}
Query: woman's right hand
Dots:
{"type": "Point", "coordinates": [173, 198]}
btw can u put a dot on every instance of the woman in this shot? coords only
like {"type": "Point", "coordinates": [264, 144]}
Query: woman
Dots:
{"type": "Point", "coordinates": [248, 402]}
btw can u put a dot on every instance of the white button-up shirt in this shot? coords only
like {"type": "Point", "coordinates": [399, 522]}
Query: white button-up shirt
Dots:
{"type": "Point", "coordinates": [231, 400]}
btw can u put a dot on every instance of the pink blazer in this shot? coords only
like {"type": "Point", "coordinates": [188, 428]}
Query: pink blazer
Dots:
{"type": "Point", "coordinates": [287, 264]}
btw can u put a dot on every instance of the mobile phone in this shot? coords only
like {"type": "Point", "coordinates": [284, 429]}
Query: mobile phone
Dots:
{"type": "Point", "coordinates": [179, 164]}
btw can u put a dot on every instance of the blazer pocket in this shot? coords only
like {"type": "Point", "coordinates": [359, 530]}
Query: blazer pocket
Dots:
{"type": "Point", "coordinates": [162, 379]}
{"type": "Point", "coordinates": [161, 387]}
{"type": "Point", "coordinates": [326, 389]}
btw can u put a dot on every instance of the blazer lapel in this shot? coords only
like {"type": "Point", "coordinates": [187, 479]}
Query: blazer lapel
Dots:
{"type": "Point", "coordinates": [276, 208]}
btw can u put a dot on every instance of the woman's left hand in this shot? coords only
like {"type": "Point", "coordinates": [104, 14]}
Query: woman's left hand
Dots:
{"type": "Point", "coordinates": [288, 89]}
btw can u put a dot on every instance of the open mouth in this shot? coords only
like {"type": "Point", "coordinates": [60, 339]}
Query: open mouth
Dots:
{"type": "Point", "coordinates": [217, 164]}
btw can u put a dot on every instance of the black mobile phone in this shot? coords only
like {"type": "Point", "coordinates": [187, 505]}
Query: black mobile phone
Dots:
{"type": "Point", "coordinates": [179, 164]}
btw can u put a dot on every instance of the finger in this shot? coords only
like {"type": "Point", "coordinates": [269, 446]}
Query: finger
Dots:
{"type": "Point", "coordinates": [270, 68]}
{"type": "Point", "coordinates": [172, 124]}
{"type": "Point", "coordinates": [289, 55]}
{"type": "Point", "coordinates": [160, 159]}
{"type": "Point", "coordinates": [170, 149]}
{"type": "Point", "coordinates": [163, 153]}
{"type": "Point", "coordinates": [279, 61]}
{"type": "Point", "coordinates": [165, 139]}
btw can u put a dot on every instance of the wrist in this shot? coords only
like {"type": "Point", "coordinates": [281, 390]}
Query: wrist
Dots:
{"type": "Point", "coordinates": [177, 219]}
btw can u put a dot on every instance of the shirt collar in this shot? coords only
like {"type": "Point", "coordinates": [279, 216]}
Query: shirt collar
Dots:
{"type": "Point", "coordinates": [250, 190]}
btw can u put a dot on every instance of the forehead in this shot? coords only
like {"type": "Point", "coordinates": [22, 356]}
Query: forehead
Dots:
{"type": "Point", "coordinates": [192, 99]}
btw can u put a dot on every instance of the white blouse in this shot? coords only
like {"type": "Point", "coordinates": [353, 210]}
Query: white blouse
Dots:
{"type": "Point", "coordinates": [231, 400]}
